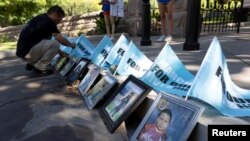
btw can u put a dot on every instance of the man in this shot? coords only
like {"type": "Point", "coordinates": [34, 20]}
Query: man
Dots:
{"type": "Point", "coordinates": [35, 45]}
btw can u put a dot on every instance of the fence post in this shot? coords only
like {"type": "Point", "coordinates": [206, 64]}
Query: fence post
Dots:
{"type": "Point", "coordinates": [146, 23]}
{"type": "Point", "coordinates": [193, 26]}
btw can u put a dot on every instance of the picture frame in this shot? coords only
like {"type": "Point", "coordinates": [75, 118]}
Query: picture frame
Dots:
{"type": "Point", "coordinates": [55, 60]}
{"type": "Point", "coordinates": [60, 63]}
{"type": "Point", "coordinates": [176, 127]}
{"type": "Point", "coordinates": [75, 73]}
{"type": "Point", "coordinates": [69, 64]}
{"type": "Point", "coordinates": [106, 82]}
{"type": "Point", "coordinates": [88, 79]}
{"type": "Point", "coordinates": [123, 102]}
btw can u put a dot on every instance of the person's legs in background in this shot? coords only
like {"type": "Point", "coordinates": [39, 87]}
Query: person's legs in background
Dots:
{"type": "Point", "coordinates": [107, 21]}
{"type": "Point", "coordinates": [170, 11]}
{"type": "Point", "coordinates": [163, 11]}
{"type": "Point", "coordinates": [112, 22]}
{"type": "Point", "coordinates": [41, 54]}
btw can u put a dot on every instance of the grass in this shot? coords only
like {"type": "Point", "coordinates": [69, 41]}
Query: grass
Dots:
{"type": "Point", "coordinates": [7, 46]}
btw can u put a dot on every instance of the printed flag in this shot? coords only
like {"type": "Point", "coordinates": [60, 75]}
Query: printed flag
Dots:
{"type": "Point", "coordinates": [168, 74]}
{"type": "Point", "coordinates": [102, 50]}
{"type": "Point", "coordinates": [134, 62]}
{"type": "Point", "coordinates": [84, 48]}
{"type": "Point", "coordinates": [213, 85]}
{"type": "Point", "coordinates": [116, 53]}
{"type": "Point", "coordinates": [67, 49]}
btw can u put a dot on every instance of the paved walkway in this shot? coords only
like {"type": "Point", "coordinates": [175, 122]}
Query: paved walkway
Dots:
{"type": "Point", "coordinates": [37, 108]}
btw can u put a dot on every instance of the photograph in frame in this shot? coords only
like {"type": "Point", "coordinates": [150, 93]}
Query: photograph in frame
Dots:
{"type": "Point", "coordinates": [68, 66]}
{"type": "Point", "coordinates": [55, 60]}
{"type": "Point", "coordinates": [170, 118]}
{"type": "Point", "coordinates": [123, 101]}
{"type": "Point", "coordinates": [99, 90]}
{"type": "Point", "coordinates": [89, 78]}
{"type": "Point", "coordinates": [60, 63]}
{"type": "Point", "coordinates": [77, 70]}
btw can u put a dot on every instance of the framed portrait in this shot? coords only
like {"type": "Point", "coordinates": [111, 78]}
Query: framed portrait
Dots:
{"type": "Point", "coordinates": [60, 63]}
{"type": "Point", "coordinates": [100, 89]}
{"type": "Point", "coordinates": [89, 78]}
{"type": "Point", "coordinates": [55, 60]}
{"type": "Point", "coordinates": [70, 62]}
{"type": "Point", "coordinates": [123, 102]}
{"type": "Point", "coordinates": [77, 70]}
{"type": "Point", "coordinates": [173, 117]}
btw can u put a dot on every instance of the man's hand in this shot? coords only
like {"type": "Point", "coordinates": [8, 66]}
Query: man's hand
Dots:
{"type": "Point", "coordinates": [63, 54]}
{"type": "Point", "coordinates": [63, 40]}
{"type": "Point", "coordinates": [73, 45]}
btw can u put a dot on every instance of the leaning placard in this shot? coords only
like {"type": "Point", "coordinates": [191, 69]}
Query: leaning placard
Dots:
{"type": "Point", "coordinates": [169, 118]}
{"type": "Point", "coordinates": [89, 78]}
{"type": "Point", "coordinates": [77, 70]}
{"type": "Point", "coordinates": [70, 63]}
{"type": "Point", "coordinates": [123, 102]}
{"type": "Point", "coordinates": [100, 89]}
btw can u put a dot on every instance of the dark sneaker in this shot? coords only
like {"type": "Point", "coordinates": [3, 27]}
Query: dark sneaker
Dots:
{"type": "Point", "coordinates": [46, 72]}
{"type": "Point", "coordinates": [29, 67]}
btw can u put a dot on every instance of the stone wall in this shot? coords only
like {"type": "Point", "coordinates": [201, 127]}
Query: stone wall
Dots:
{"type": "Point", "coordinates": [131, 23]}
{"type": "Point", "coordinates": [70, 26]}
{"type": "Point", "coordinates": [75, 25]}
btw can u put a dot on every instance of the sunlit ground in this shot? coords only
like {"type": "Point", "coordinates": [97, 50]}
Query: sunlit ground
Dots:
{"type": "Point", "coordinates": [7, 46]}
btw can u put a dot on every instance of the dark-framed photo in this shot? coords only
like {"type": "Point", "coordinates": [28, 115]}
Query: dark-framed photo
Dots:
{"type": "Point", "coordinates": [89, 78]}
{"type": "Point", "coordinates": [123, 102]}
{"type": "Point", "coordinates": [77, 70]}
{"type": "Point", "coordinates": [71, 61]}
{"type": "Point", "coordinates": [170, 118]}
{"type": "Point", "coordinates": [55, 60]}
{"type": "Point", "coordinates": [100, 89]}
{"type": "Point", "coordinates": [60, 63]}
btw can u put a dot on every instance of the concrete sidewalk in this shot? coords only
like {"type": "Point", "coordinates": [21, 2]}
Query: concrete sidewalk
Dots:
{"type": "Point", "coordinates": [43, 108]}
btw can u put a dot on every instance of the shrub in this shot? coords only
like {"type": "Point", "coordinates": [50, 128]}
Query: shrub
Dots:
{"type": "Point", "coordinates": [4, 38]}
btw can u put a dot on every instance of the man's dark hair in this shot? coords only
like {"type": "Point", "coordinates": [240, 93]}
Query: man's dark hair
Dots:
{"type": "Point", "coordinates": [56, 9]}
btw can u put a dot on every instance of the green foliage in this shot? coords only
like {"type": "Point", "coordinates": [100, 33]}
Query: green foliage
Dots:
{"type": "Point", "coordinates": [3, 38]}
{"type": "Point", "coordinates": [15, 12]}
{"type": "Point", "coordinates": [78, 7]}
{"type": "Point", "coordinates": [100, 25]}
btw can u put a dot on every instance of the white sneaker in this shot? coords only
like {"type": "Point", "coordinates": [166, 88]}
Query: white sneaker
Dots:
{"type": "Point", "coordinates": [169, 38]}
{"type": "Point", "coordinates": [112, 38]}
{"type": "Point", "coordinates": [161, 39]}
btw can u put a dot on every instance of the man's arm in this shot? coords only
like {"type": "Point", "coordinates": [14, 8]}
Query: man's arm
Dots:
{"type": "Point", "coordinates": [63, 41]}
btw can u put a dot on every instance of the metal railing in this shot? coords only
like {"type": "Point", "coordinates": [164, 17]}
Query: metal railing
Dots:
{"type": "Point", "coordinates": [155, 21]}
{"type": "Point", "coordinates": [216, 17]}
